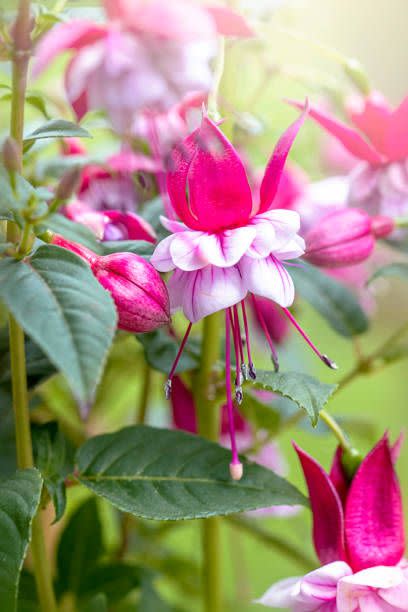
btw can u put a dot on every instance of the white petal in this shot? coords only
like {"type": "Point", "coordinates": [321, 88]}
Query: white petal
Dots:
{"type": "Point", "coordinates": [283, 594]}
{"type": "Point", "coordinates": [268, 278]}
{"type": "Point", "coordinates": [227, 248]}
{"type": "Point", "coordinates": [292, 249]}
{"type": "Point", "coordinates": [161, 258]}
{"type": "Point", "coordinates": [187, 252]}
{"type": "Point", "coordinates": [172, 226]}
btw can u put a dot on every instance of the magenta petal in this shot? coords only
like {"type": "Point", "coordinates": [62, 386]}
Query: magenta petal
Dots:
{"type": "Point", "coordinates": [274, 169]}
{"type": "Point", "coordinates": [229, 23]}
{"type": "Point", "coordinates": [70, 35]}
{"type": "Point", "coordinates": [219, 193]}
{"type": "Point", "coordinates": [328, 519]}
{"type": "Point", "coordinates": [396, 140]}
{"type": "Point", "coordinates": [371, 116]}
{"type": "Point", "coordinates": [337, 475]}
{"type": "Point", "coordinates": [183, 407]}
{"type": "Point", "coordinates": [374, 517]}
{"type": "Point", "coordinates": [134, 226]}
{"type": "Point", "coordinates": [349, 137]}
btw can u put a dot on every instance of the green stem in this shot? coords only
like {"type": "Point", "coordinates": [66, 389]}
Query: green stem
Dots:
{"type": "Point", "coordinates": [336, 429]}
{"type": "Point", "coordinates": [21, 54]}
{"type": "Point", "coordinates": [145, 394]}
{"type": "Point", "coordinates": [209, 427]}
{"type": "Point", "coordinates": [268, 539]}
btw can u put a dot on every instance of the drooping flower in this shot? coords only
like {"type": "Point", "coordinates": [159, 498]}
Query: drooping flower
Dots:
{"type": "Point", "coordinates": [228, 245]}
{"type": "Point", "coordinates": [358, 534]}
{"type": "Point", "coordinates": [379, 139]}
{"type": "Point", "coordinates": [140, 295]}
{"type": "Point", "coordinates": [148, 55]}
{"type": "Point", "coordinates": [345, 238]}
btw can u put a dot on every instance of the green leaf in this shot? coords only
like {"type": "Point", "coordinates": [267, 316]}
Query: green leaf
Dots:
{"type": "Point", "coordinates": [74, 231]}
{"type": "Point", "coordinates": [38, 366]}
{"type": "Point", "coordinates": [161, 350]}
{"type": "Point", "coordinates": [19, 500]}
{"type": "Point", "coordinates": [394, 269]}
{"type": "Point", "coordinates": [27, 594]}
{"type": "Point", "coordinates": [259, 413]}
{"type": "Point", "coordinates": [116, 579]}
{"type": "Point", "coordinates": [65, 311]}
{"type": "Point", "coordinates": [140, 247]}
{"type": "Point", "coordinates": [150, 601]}
{"type": "Point", "coordinates": [170, 475]}
{"type": "Point", "coordinates": [306, 391]}
{"type": "Point", "coordinates": [331, 299]}
{"type": "Point", "coordinates": [15, 198]}
{"type": "Point", "coordinates": [99, 603]}
{"type": "Point", "coordinates": [57, 128]}
{"type": "Point", "coordinates": [38, 102]}
{"type": "Point", "coordinates": [54, 457]}
{"type": "Point", "coordinates": [7, 441]}
{"type": "Point", "coordinates": [80, 548]}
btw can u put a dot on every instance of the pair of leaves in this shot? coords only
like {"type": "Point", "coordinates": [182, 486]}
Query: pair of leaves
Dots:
{"type": "Point", "coordinates": [65, 311]}
{"type": "Point", "coordinates": [331, 299]}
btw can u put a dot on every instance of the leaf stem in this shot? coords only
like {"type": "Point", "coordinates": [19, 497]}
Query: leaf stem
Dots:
{"type": "Point", "coordinates": [209, 427]}
{"type": "Point", "coordinates": [336, 429]}
{"type": "Point", "coordinates": [21, 55]}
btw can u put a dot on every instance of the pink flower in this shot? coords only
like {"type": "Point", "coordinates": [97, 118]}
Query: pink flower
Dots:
{"type": "Point", "coordinates": [379, 139]}
{"type": "Point", "coordinates": [149, 55]}
{"type": "Point", "coordinates": [345, 237]}
{"type": "Point", "coordinates": [228, 245]}
{"type": "Point", "coordinates": [138, 291]}
{"type": "Point", "coordinates": [358, 535]}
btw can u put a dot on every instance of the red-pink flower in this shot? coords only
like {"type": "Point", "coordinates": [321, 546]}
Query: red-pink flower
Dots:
{"type": "Point", "coordinates": [379, 139]}
{"type": "Point", "coordinates": [149, 55]}
{"type": "Point", "coordinates": [358, 534]}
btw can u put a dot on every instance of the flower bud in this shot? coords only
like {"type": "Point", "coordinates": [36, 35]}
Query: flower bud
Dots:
{"type": "Point", "coordinates": [73, 146]}
{"type": "Point", "coordinates": [68, 184]}
{"type": "Point", "coordinates": [345, 237]}
{"type": "Point", "coordinates": [11, 156]}
{"type": "Point", "coordinates": [140, 295]}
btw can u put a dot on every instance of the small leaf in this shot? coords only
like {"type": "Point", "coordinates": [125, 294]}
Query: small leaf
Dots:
{"type": "Point", "coordinates": [306, 391]}
{"type": "Point", "coordinates": [14, 198]}
{"type": "Point", "coordinates": [57, 128]}
{"type": "Point", "coordinates": [331, 299]}
{"type": "Point", "coordinates": [395, 269]}
{"type": "Point", "coordinates": [80, 548]}
{"type": "Point", "coordinates": [19, 500]}
{"type": "Point", "coordinates": [38, 102]}
{"type": "Point", "coordinates": [65, 311]}
{"type": "Point", "coordinates": [138, 470]}
{"type": "Point", "coordinates": [161, 350]}
{"type": "Point", "coordinates": [99, 603]}
{"type": "Point", "coordinates": [54, 457]}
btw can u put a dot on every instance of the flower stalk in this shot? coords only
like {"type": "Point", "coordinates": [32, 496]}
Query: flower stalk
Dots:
{"type": "Point", "coordinates": [209, 427]}
{"type": "Point", "coordinates": [21, 55]}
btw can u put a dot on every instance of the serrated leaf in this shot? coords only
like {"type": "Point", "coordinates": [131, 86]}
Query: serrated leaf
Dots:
{"type": "Point", "coordinates": [161, 349]}
{"type": "Point", "coordinates": [395, 269]}
{"type": "Point", "coordinates": [336, 303]}
{"type": "Point", "coordinates": [170, 475]}
{"type": "Point", "coordinates": [57, 128]}
{"type": "Point", "coordinates": [54, 457]}
{"type": "Point", "coordinates": [80, 548]}
{"type": "Point", "coordinates": [65, 311]}
{"type": "Point", "coordinates": [307, 392]}
{"type": "Point", "coordinates": [19, 500]}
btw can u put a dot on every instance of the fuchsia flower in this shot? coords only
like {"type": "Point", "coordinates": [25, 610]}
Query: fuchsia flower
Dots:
{"type": "Point", "coordinates": [345, 237]}
{"type": "Point", "coordinates": [228, 245]}
{"type": "Point", "coordinates": [379, 139]}
{"type": "Point", "coordinates": [140, 295]}
{"type": "Point", "coordinates": [149, 55]}
{"type": "Point", "coordinates": [358, 535]}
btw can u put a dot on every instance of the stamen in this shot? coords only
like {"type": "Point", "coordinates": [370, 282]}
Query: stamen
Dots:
{"type": "Point", "coordinates": [274, 354]}
{"type": "Point", "coordinates": [331, 364]}
{"type": "Point", "coordinates": [236, 468]}
{"type": "Point", "coordinates": [251, 367]}
{"type": "Point", "coordinates": [238, 375]}
{"type": "Point", "coordinates": [167, 386]}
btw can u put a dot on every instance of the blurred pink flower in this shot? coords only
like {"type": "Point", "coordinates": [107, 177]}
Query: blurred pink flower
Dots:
{"type": "Point", "coordinates": [358, 534]}
{"type": "Point", "coordinates": [148, 56]}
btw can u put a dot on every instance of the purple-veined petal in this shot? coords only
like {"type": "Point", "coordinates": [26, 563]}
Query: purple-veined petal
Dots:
{"type": "Point", "coordinates": [321, 584]}
{"type": "Point", "coordinates": [274, 168]}
{"type": "Point", "coordinates": [218, 190]}
{"type": "Point", "coordinates": [376, 589]}
{"type": "Point", "coordinates": [283, 594]}
{"type": "Point", "coordinates": [349, 137]}
{"type": "Point", "coordinates": [173, 226]}
{"type": "Point", "coordinates": [186, 252]}
{"type": "Point", "coordinates": [71, 35]}
{"type": "Point", "coordinates": [205, 291]}
{"type": "Point", "coordinates": [396, 139]}
{"type": "Point", "coordinates": [291, 250]}
{"type": "Point", "coordinates": [161, 258]}
{"type": "Point", "coordinates": [268, 278]}
{"type": "Point", "coordinates": [274, 230]}
{"type": "Point", "coordinates": [328, 518]}
{"type": "Point", "coordinates": [373, 515]}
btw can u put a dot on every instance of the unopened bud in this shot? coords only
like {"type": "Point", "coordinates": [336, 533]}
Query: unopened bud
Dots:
{"type": "Point", "coordinates": [68, 184]}
{"type": "Point", "coordinates": [351, 461]}
{"type": "Point", "coordinates": [345, 237]}
{"type": "Point", "coordinates": [139, 293]}
{"type": "Point", "coordinates": [11, 155]}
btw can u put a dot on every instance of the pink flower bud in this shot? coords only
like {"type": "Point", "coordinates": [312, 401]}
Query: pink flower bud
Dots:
{"type": "Point", "coordinates": [11, 155]}
{"type": "Point", "coordinates": [137, 289]}
{"type": "Point", "coordinates": [345, 237]}
{"type": "Point", "coordinates": [73, 146]}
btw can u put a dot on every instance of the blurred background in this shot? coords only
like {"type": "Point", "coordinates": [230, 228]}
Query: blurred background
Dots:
{"type": "Point", "coordinates": [286, 61]}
